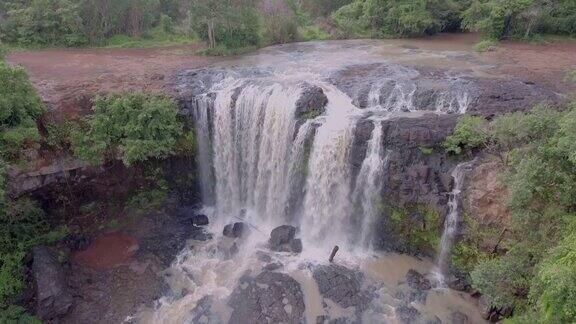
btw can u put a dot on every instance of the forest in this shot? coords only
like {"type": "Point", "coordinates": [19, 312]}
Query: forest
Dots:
{"type": "Point", "coordinates": [242, 24]}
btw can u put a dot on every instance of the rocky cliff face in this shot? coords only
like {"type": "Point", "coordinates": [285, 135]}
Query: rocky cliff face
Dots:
{"type": "Point", "coordinates": [424, 104]}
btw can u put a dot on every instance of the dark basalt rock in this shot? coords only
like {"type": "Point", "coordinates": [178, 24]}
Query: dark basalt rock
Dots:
{"type": "Point", "coordinates": [53, 297]}
{"type": "Point", "coordinates": [270, 297]}
{"type": "Point", "coordinates": [417, 281]}
{"type": "Point", "coordinates": [281, 235]}
{"type": "Point", "coordinates": [200, 220]}
{"type": "Point", "coordinates": [343, 286]}
{"type": "Point", "coordinates": [234, 230]}
{"type": "Point", "coordinates": [312, 102]}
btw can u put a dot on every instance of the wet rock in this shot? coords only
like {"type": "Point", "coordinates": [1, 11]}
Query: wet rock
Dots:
{"type": "Point", "coordinates": [281, 235]}
{"type": "Point", "coordinates": [458, 282]}
{"type": "Point", "coordinates": [494, 314]}
{"type": "Point", "coordinates": [200, 220]}
{"type": "Point", "coordinates": [282, 239]}
{"type": "Point", "coordinates": [270, 297]}
{"type": "Point", "coordinates": [417, 281]}
{"type": "Point", "coordinates": [234, 230]}
{"type": "Point", "coordinates": [53, 297]}
{"type": "Point", "coordinates": [459, 318]}
{"type": "Point", "coordinates": [77, 242]}
{"type": "Point", "coordinates": [407, 314]}
{"type": "Point", "coordinates": [273, 266]}
{"type": "Point", "coordinates": [343, 286]}
{"type": "Point", "coordinates": [199, 234]}
{"type": "Point", "coordinates": [312, 102]}
{"type": "Point", "coordinates": [296, 245]}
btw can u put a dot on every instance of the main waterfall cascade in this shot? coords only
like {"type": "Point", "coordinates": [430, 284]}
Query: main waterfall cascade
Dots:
{"type": "Point", "coordinates": [264, 162]}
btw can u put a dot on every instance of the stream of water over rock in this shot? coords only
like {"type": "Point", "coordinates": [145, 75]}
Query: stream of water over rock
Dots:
{"type": "Point", "coordinates": [266, 159]}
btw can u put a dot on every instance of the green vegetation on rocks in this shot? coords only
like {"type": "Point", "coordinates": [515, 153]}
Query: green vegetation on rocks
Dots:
{"type": "Point", "coordinates": [132, 127]}
{"type": "Point", "coordinates": [533, 269]}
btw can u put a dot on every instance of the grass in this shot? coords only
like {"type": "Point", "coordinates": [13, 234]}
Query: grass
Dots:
{"type": "Point", "coordinates": [484, 45]}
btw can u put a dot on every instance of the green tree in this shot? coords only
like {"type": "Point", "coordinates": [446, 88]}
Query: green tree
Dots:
{"type": "Point", "coordinates": [234, 24]}
{"type": "Point", "coordinates": [45, 22]}
{"type": "Point", "coordinates": [470, 133]}
{"type": "Point", "coordinates": [131, 127]}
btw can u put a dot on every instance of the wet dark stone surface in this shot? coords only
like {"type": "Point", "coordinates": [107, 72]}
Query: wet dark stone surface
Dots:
{"type": "Point", "coordinates": [270, 297]}
{"type": "Point", "coordinates": [343, 286]}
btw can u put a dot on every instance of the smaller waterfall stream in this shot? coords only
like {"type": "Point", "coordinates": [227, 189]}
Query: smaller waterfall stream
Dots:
{"type": "Point", "coordinates": [453, 218]}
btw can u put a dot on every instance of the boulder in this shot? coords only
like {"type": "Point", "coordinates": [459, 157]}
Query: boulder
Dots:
{"type": "Point", "coordinates": [52, 293]}
{"type": "Point", "coordinates": [281, 235]}
{"type": "Point", "coordinates": [417, 281]}
{"type": "Point", "coordinates": [312, 102]}
{"type": "Point", "coordinates": [234, 230]}
{"type": "Point", "coordinates": [200, 220]}
{"type": "Point", "coordinates": [343, 286]}
{"type": "Point", "coordinates": [270, 297]}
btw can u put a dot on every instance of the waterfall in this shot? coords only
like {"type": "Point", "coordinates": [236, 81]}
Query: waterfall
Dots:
{"type": "Point", "coordinates": [453, 218]}
{"type": "Point", "coordinates": [201, 112]}
{"type": "Point", "coordinates": [253, 148]}
{"type": "Point", "coordinates": [368, 187]}
{"type": "Point", "coordinates": [327, 206]}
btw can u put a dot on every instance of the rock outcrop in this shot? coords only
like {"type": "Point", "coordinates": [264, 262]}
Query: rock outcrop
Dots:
{"type": "Point", "coordinates": [270, 297]}
{"type": "Point", "coordinates": [54, 298]}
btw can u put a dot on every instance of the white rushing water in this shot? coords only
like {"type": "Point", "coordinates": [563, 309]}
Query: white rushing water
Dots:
{"type": "Point", "coordinates": [260, 164]}
{"type": "Point", "coordinates": [452, 220]}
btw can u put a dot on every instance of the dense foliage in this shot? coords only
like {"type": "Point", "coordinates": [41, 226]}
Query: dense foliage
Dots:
{"type": "Point", "coordinates": [131, 127]}
{"type": "Point", "coordinates": [536, 272]}
{"type": "Point", "coordinates": [403, 18]}
{"type": "Point", "coordinates": [227, 25]}
{"type": "Point", "coordinates": [23, 223]}
{"type": "Point", "coordinates": [19, 109]}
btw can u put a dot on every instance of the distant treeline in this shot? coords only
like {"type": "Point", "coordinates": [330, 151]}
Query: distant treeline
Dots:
{"type": "Point", "coordinates": [246, 23]}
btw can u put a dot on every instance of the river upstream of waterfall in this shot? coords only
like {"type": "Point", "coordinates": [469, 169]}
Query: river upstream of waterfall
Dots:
{"type": "Point", "coordinates": [275, 135]}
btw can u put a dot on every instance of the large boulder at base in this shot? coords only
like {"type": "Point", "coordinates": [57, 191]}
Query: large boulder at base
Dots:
{"type": "Point", "coordinates": [282, 235]}
{"type": "Point", "coordinates": [343, 286]}
{"type": "Point", "coordinates": [270, 297]}
{"type": "Point", "coordinates": [234, 230]}
{"type": "Point", "coordinates": [282, 239]}
{"type": "Point", "coordinates": [53, 296]}
{"type": "Point", "coordinates": [417, 281]}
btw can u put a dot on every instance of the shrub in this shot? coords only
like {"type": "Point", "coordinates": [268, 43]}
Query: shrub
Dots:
{"type": "Point", "coordinates": [484, 45]}
{"type": "Point", "coordinates": [20, 106]}
{"type": "Point", "coordinates": [470, 133]}
{"type": "Point", "coordinates": [132, 127]}
{"type": "Point", "coordinates": [554, 292]}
